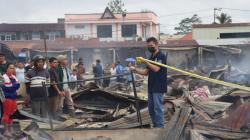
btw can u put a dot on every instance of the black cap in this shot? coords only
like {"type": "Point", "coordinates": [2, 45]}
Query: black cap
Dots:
{"type": "Point", "coordinates": [38, 57]}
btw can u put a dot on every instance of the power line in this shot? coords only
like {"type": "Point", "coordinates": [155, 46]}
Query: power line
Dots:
{"type": "Point", "coordinates": [184, 13]}
{"type": "Point", "coordinates": [202, 10]}
{"type": "Point", "coordinates": [242, 10]}
{"type": "Point", "coordinates": [168, 25]}
{"type": "Point", "coordinates": [207, 16]}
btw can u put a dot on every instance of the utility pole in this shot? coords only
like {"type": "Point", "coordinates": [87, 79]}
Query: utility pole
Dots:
{"type": "Point", "coordinates": [124, 14]}
{"type": "Point", "coordinates": [45, 49]}
{"type": "Point", "coordinates": [159, 30]}
{"type": "Point", "coordinates": [216, 9]}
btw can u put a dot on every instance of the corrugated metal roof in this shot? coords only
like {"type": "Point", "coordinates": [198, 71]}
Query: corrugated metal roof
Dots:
{"type": "Point", "coordinates": [220, 25]}
{"type": "Point", "coordinates": [237, 117]}
{"type": "Point", "coordinates": [180, 43]}
{"type": "Point", "coordinates": [31, 27]}
{"type": "Point", "coordinates": [214, 42]}
{"type": "Point", "coordinates": [59, 44]}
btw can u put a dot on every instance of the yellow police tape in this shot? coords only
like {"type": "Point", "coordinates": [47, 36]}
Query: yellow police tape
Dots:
{"type": "Point", "coordinates": [140, 59]}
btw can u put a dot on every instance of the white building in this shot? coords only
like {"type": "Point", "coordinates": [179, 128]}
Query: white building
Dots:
{"type": "Point", "coordinates": [221, 31]}
{"type": "Point", "coordinates": [110, 26]}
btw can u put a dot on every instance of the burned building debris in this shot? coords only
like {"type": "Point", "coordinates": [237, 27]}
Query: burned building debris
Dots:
{"type": "Point", "coordinates": [194, 110]}
{"type": "Point", "coordinates": [187, 117]}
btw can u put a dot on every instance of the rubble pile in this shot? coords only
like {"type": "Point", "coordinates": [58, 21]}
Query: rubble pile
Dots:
{"type": "Point", "coordinates": [227, 117]}
{"type": "Point", "coordinates": [30, 132]}
{"type": "Point", "coordinates": [193, 114]}
{"type": "Point", "coordinates": [197, 119]}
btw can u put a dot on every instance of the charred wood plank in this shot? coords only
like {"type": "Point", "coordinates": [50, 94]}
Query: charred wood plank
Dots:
{"type": "Point", "coordinates": [202, 114]}
{"type": "Point", "coordinates": [70, 123]}
{"type": "Point", "coordinates": [37, 118]}
{"type": "Point", "coordinates": [225, 134]}
{"type": "Point", "coordinates": [176, 125]}
{"type": "Point", "coordinates": [220, 131]}
{"type": "Point", "coordinates": [195, 135]}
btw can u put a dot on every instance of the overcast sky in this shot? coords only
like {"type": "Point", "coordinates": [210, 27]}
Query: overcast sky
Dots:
{"type": "Point", "coordinates": [169, 12]}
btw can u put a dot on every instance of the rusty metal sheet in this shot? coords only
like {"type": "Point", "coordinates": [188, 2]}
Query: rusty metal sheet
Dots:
{"type": "Point", "coordinates": [238, 117]}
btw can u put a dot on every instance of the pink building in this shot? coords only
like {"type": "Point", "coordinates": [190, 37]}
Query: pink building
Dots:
{"type": "Point", "coordinates": [110, 26]}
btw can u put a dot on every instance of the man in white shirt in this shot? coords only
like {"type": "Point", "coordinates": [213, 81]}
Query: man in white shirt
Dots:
{"type": "Point", "coordinates": [113, 72]}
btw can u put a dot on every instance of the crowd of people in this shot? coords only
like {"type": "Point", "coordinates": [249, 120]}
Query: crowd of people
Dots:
{"type": "Point", "coordinates": [46, 90]}
{"type": "Point", "coordinates": [36, 78]}
{"type": "Point", "coordinates": [30, 79]}
{"type": "Point", "coordinates": [114, 69]}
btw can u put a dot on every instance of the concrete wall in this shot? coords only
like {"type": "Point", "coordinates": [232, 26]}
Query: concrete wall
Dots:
{"type": "Point", "coordinates": [177, 58]}
{"type": "Point", "coordinates": [73, 32]}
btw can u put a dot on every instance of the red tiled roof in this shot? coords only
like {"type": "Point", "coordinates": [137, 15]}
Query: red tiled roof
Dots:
{"type": "Point", "coordinates": [16, 47]}
{"type": "Point", "coordinates": [188, 36]}
{"type": "Point", "coordinates": [59, 44]}
{"type": "Point", "coordinates": [180, 43]}
{"type": "Point", "coordinates": [220, 25]}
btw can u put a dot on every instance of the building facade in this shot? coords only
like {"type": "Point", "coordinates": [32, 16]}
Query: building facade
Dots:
{"type": "Point", "coordinates": [31, 31]}
{"type": "Point", "coordinates": [223, 43]}
{"type": "Point", "coordinates": [221, 31]}
{"type": "Point", "coordinates": [110, 26]}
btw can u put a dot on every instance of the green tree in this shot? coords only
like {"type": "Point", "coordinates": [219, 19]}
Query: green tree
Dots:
{"type": "Point", "coordinates": [224, 18]}
{"type": "Point", "coordinates": [116, 6]}
{"type": "Point", "coordinates": [185, 26]}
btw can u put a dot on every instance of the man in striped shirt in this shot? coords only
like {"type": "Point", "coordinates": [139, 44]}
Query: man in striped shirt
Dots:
{"type": "Point", "coordinates": [37, 93]}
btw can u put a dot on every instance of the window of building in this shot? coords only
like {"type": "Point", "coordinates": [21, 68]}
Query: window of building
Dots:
{"type": "Point", "coordinates": [13, 37]}
{"type": "Point", "coordinates": [104, 31]}
{"type": "Point", "coordinates": [35, 35]}
{"type": "Point", "coordinates": [235, 35]}
{"type": "Point", "coordinates": [51, 35]}
{"type": "Point", "coordinates": [2, 37]}
{"type": "Point", "coordinates": [7, 37]}
{"type": "Point", "coordinates": [129, 30]}
{"type": "Point", "coordinates": [25, 36]}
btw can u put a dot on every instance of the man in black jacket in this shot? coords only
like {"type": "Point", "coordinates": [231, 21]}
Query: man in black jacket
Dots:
{"type": "Point", "coordinates": [157, 82]}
